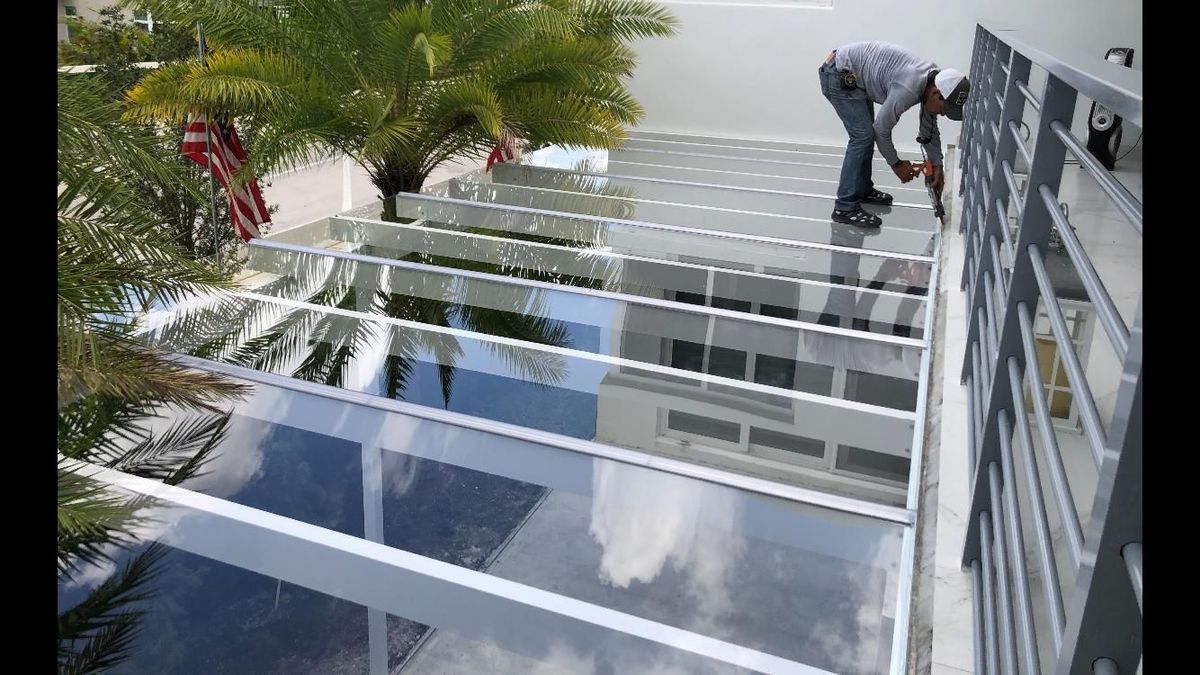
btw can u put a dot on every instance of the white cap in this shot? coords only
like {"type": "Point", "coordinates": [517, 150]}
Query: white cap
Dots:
{"type": "Point", "coordinates": [954, 88]}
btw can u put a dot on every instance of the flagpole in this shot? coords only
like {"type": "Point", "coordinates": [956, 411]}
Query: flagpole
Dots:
{"type": "Point", "coordinates": [212, 182]}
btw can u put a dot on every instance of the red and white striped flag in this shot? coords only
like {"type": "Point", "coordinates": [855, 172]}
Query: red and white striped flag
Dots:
{"type": "Point", "coordinates": [506, 150]}
{"type": "Point", "coordinates": [501, 153]}
{"type": "Point", "coordinates": [246, 207]}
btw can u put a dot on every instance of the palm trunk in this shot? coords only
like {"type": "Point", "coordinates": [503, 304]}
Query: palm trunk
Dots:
{"type": "Point", "coordinates": [391, 181]}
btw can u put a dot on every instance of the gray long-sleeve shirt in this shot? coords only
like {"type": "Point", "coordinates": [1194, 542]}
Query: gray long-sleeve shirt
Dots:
{"type": "Point", "coordinates": [894, 78]}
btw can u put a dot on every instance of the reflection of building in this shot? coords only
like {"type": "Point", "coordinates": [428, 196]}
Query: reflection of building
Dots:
{"type": "Point", "coordinates": [818, 408]}
{"type": "Point", "coordinates": [811, 442]}
{"type": "Point", "coordinates": [89, 10]}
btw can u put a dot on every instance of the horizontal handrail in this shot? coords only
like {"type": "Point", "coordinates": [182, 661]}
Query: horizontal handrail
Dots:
{"type": "Point", "coordinates": [1111, 85]}
{"type": "Point", "coordinates": [1127, 203]}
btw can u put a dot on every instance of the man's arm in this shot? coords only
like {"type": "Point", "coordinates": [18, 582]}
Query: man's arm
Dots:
{"type": "Point", "coordinates": [885, 121]}
{"type": "Point", "coordinates": [929, 130]}
{"type": "Point", "coordinates": [931, 138]}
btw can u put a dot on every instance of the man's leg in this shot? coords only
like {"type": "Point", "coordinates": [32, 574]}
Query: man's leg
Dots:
{"type": "Point", "coordinates": [868, 159]}
{"type": "Point", "coordinates": [856, 117]}
{"type": "Point", "coordinates": [854, 109]}
{"type": "Point", "coordinates": [870, 194]}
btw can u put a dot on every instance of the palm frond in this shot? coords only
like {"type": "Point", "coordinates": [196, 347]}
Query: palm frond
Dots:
{"type": "Point", "coordinates": [573, 121]}
{"type": "Point", "coordinates": [90, 520]}
{"type": "Point", "coordinates": [462, 103]}
{"type": "Point", "coordinates": [91, 135]}
{"type": "Point", "coordinates": [235, 81]}
{"type": "Point", "coordinates": [487, 29]}
{"type": "Point", "coordinates": [178, 453]}
{"type": "Point", "coordinates": [96, 427]}
{"type": "Point", "coordinates": [122, 368]}
{"type": "Point", "coordinates": [407, 47]}
{"type": "Point", "coordinates": [97, 634]}
{"type": "Point", "coordinates": [624, 20]}
{"type": "Point", "coordinates": [118, 255]}
{"type": "Point", "coordinates": [387, 137]}
{"type": "Point", "coordinates": [567, 65]}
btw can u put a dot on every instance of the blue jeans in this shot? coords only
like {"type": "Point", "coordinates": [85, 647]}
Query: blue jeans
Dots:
{"type": "Point", "coordinates": [857, 113]}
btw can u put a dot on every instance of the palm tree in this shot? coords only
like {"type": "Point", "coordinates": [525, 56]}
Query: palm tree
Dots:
{"type": "Point", "coordinates": [403, 85]}
{"type": "Point", "coordinates": [115, 258]}
{"type": "Point", "coordinates": [114, 46]}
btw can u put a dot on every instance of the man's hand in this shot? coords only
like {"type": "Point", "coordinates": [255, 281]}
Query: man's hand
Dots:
{"type": "Point", "coordinates": [939, 180]}
{"type": "Point", "coordinates": [904, 170]}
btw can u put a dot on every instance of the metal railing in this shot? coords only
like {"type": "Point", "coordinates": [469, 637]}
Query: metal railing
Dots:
{"type": "Point", "coordinates": [1094, 626]}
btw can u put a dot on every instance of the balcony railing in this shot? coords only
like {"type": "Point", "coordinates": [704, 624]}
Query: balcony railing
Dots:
{"type": "Point", "coordinates": [1094, 626]}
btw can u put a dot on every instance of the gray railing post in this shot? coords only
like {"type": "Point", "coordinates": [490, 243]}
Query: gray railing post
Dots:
{"type": "Point", "coordinates": [1105, 619]}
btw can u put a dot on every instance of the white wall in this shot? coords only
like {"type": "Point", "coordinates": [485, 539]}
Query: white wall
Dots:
{"type": "Point", "coordinates": [88, 9]}
{"type": "Point", "coordinates": [750, 70]}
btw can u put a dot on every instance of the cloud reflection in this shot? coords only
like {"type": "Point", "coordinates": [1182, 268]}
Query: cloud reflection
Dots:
{"type": "Point", "coordinates": [645, 521]}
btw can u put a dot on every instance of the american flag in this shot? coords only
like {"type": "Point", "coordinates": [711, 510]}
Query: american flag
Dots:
{"type": "Point", "coordinates": [504, 151]}
{"type": "Point", "coordinates": [246, 207]}
{"type": "Point", "coordinates": [501, 153]}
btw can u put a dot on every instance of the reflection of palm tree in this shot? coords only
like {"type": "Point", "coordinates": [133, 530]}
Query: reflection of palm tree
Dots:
{"type": "Point", "coordinates": [571, 193]}
{"type": "Point", "coordinates": [512, 259]}
{"type": "Point", "coordinates": [114, 257]}
{"type": "Point", "coordinates": [99, 632]}
{"type": "Point", "coordinates": [537, 367]}
{"type": "Point", "coordinates": [271, 337]}
{"type": "Point", "coordinates": [531, 262]}
{"type": "Point", "coordinates": [333, 340]}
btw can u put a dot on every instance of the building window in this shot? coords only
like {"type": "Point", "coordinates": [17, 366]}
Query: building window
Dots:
{"type": "Point", "coordinates": [881, 390]}
{"type": "Point", "coordinates": [279, 9]}
{"type": "Point", "coordinates": [880, 465]}
{"type": "Point", "coordinates": [69, 10]}
{"type": "Point", "coordinates": [144, 19]}
{"type": "Point", "coordinates": [704, 427]}
{"type": "Point", "coordinates": [766, 442]}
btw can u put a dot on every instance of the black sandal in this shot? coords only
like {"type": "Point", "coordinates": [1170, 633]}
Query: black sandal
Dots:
{"type": "Point", "coordinates": [857, 217]}
{"type": "Point", "coordinates": [877, 197]}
